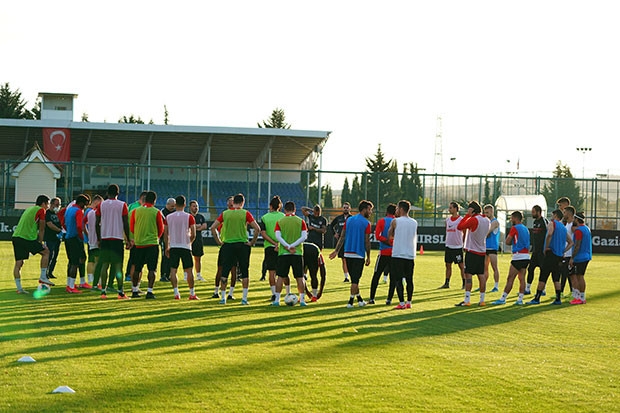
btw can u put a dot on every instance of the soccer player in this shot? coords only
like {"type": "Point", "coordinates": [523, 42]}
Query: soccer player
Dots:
{"type": "Point", "coordinates": [313, 262]}
{"type": "Point", "coordinates": [385, 252]}
{"type": "Point", "coordinates": [53, 231]}
{"type": "Point", "coordinates": [220, 261]}
{"type": "Point", "coordinates": [268, 232]}
{"type": "Point", "coordinates": [179, 233]}
{"type": "Point", "coordinates": [130, 265]}
{"type": "Point", "coordinates": [90, 221]}
{"type": "Point", "coordinates": [519, 238]}
{"type": "Point", "coordinates": [563, 202]}
{"type": "Point", "coordinates": [337, 225]}
{"type": "Point", "coordinates": [355, 240]}
{"type": "Point", "coordinates": [235, 247]}
{"type": "Point", "coordinates": [492, 246]}
{"type": "Point", "coordinates": [582, 255]}
{"type": "Point", "coordinates": [557, 242]}
{"type": "Point", "coordinates": [290, 232]}
{"type": "Point", "coordinates": [539, 233]}
{"type": "Point", "coordinates": [165, 262]}
{"type": "Point", "coordinates": [476, 228]}
{"type": "Point", "coordinates": [147, 226]}
{"type": "Point", "coordinates": [565, 268]}
{"type": "Point", "coordinates": [74, 240]}
{"type": "Point", "coordinates": [454, 245]}
{"type": "Point", "coordinates": [317, 225]}
{"type": "Point", "coordinates": [404, 235]}
{"type": "Point", "coordinates": [112, 226]}
{"type": "Point", "coordinates": [197, 245]}
{"type": "Point", "coordinates": [28, 239]}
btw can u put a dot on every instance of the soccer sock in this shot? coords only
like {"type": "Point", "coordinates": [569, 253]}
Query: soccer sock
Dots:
{"type": "Point", "coordinates": [43, 273]}
{"type": "Point", "coordinates": [359, 298]}
{"type": "Point", "coordinates": [288, 289]}
{"type": "Point", "coordinates": [277, 300]}
{"type": "Point", "coordinates": [149, 290]}
{"type": "Point", "coordinates": [176, 290]}
{"type": "Point", "coordinates": [273, 289]}
{"type": "Point", "coordinates": [538, 294]}
{"type": "Point", "coordinates": [244, 294]}
{"type": "Point", "coordinates": [18, 283]}
{"type": "Point", "coordinates": [520, 299]}
{"type": "Point", "coordinates": [497, 285]}
{"type": "Point", "coordinates": [482, 297]}
{"type": "Point", "coordinates": [135, 288]}
{"type": "Point", "coordinates": [90, 278]}
{"type": "Point", "coordinates": [575, 293]}
{"type": "Point", "coordinates": [447, 281]}
{"type": "Point", "coordinates": [346, 275]}
{"type": "Point", "coordinates": [230, 292]}
{"type": "Point", "coordinates": [217, 290]}
{"type": "Point", "coordinates": [467, 296]}
{"type": "Point", "coordinates": [504, 296]}
{"type": "Point", "coordinates": [558, 294]}
{"type": "Point", "coordinates": [351, 299]}
{"type": "Point", "coordinates": [71, 282]}
{"type": "Point", "coordinates": [582, 295]}
{"type": "Point", "coordinates": [528, 286]}
{"type": "Point", "coordinates": [315, 292]}
{"type": "Point", "coordinates": [198, 275]}
{"type": "Point", "coordinates": [302, 297]}
{"type": "Point", "coordinates": [192, 291]}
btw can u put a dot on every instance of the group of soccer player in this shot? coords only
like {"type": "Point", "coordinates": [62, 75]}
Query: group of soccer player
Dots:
{"type": "Point", "coordinates": [561, 248]}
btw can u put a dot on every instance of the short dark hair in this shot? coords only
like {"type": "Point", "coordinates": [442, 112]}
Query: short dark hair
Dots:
{"type": "Point", "coordinates": [142, 194]}
{"type": "Point", "coordinates": [537, 208]}
{"type": "Point", "coordinates": [346, 203]}
{"type": "Point", "coordinates": [404, 205]}
{"type": "Point", "coordinates": [455, 205]}
{"type": "Point", "coordinates": [581, 217]}
{"type": "Point", "coordinates": [97, 197]}
{"type": "Point", "coordinates": [558, 214]}
{"type": "Point", "coordinates": [518, 215]}
{"type": "Point", "coordinates": [82, 199]}
{"type": "Point", "coordinates": [150, 197]}
{"type": "Point", "coordinates": [275, 203]}
{"type": "Point", "coordinates": [238, 199]}
{"type": "Point", "coordinates": [289, 206]}
{"type": "Point", "coordinates": [42, 199]}
{"type": "Point", "coordinates": [571, 209]}
{"type": "Point", "coordinates": [317, 207]}
{"type": "Point", "coordinates": [391, 209]}
{"type": "Point", "coordinates": [179, 200]}
{"type": "Point", "coordinates": [113, 190]}
{"type": "Point", "coordinates": [475, 206]}
{"type": "Point", "coordinates": [364, 204]}
{"type": "Point", "coordinates": [193, 201]}
{"type": "Point", "coordinates": [563, 200]}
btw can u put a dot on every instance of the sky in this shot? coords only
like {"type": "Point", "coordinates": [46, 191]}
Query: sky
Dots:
{"type": "Point", "coordinates": [515, 83]}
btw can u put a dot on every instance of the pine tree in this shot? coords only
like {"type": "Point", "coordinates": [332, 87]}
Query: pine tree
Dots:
{"type": "Point", "coordinates": [563, 184]}
{"type": "Point", "coordinates": [346, 191]}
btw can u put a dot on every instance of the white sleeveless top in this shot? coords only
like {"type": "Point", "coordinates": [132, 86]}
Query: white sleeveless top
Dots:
{"type": "Point", "coordinates": [179, 230]}
{"type": "Point", "coordinates": [405, 238]}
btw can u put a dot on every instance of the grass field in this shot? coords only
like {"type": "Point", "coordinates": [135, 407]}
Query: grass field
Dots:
{"type": "Point", "coordinates": [166, 355]}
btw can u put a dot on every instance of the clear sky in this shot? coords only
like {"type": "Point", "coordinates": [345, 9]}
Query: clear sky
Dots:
{"type": "Point", "coordinates": [526, 81]}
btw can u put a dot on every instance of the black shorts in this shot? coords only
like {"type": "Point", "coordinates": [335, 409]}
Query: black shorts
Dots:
{"type": "Point", "coordinates": [75, 251]}
{"type": "Point", "coordinates": [356, 268]}
{"type": "Point", "coordinates": [111, 251]}
{"type": "Point", "coordinates": [551, 265]}
{"type": "Point", "coordinates": [93, 254]}
{"type": "Point", "coordinates": [220, 259]}
{"type": "Point", "coordinates": [474, 263]}
{"type": "Point", "coordinates": [538, 257]}
{"type": "Point", "coordinates": [183, 255]}
{"type": "Point", "coordinates": [520, 264]}
{"type": "Point", "coordinates": [198, 249]}
{"type": "Point", "coordinates": [22, 248]}
{"type": "Point", "coordinates": [290, 261]}
{"type": "Point", "coordinates": [491, 252]}
{"type": "Point", "coordinates": [236, 254]}
{"type": "Point", "coordinates": [146, 256]}
{"type": "Point", "coordinates": [580, 267]}
{"type": "Point", "coordinates": [453, 255]}
{"type": "Point", "coordinates": [271, 259]}
{"type": "Point", "coordinates": [402, 268]}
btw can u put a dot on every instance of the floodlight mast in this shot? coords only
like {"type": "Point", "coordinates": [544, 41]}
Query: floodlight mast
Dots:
{"type": "Point", "coordinates": [583, 160]}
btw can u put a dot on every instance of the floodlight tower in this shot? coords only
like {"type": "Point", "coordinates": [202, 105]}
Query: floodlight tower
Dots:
{"type": "Point", "coordinates": [438, 160]}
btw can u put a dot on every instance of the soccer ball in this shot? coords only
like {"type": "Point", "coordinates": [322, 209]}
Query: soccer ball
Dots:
{"type": "Point", "coordinates": [291, 299]}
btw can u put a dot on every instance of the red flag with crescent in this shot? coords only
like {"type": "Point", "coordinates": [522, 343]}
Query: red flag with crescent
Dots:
{"type": "Point", "coordinates": [57, 144]}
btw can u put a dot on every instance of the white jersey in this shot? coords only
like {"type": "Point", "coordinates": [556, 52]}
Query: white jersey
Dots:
{"type": "Point", "coordinates": [111, 212]}
{"type": "Point", "coordinates": [91, 227]}
{"type": "Point", "coordinates": [179, 225]}
{"type": "Point", "coordinates": [476, 236]}
{"type": "Point", "coordinates": [405, 238]}
{"type": "Point", "coordinates": [569, 230]}
{"type": "Point", "coordinates": [454, 236]}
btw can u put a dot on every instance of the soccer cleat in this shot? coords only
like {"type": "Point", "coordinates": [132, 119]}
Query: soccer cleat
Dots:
{"type": "Point", "coordinates": [223, 301]}
{"type": "Point", "coordinates": [346, 280]}
{"type": "Point", "coordinates": [199, 277]}
{"type": "Point", "coordinates": [104, 296]}
{"type": "Point", "coordinates": [556, 302]}
{"type": "Point", "coordinates": [408, 306]}
{"type": "Point", "coordinates": [349, 305]}
{"type": "Point", "coordinates": [230, 298]}
{"type": "Point", "coordinates": [494, 290]}
{"type": "Point", "coordinates": [72, 290]}
{"type": "Point", "coordinates": [135, 294]}
{"type": "Point", "coordinates": [388, 302]}
{"type": "Point", "coordinates": [482, 304]}
{"type": "Point", "coordinates": [150, 296]}
{"type": "Point", "coordinates": [128, 278]}
{"type": "Point", "coordinates": [275, 304]}
{"type": "Point", "coordinates": [215, 295]}
{"type": "Point", "coordinates": [123, 296]}
{"type": "Point", "coordinates": [193, 297]}
{"type": "Point", "coordinates": [527, 292]}
{"type": "Point", "coordinates": [577, 301]}
{"type": "Point", "coordinates": [51, 276]}
{"type": "Point", "coordinates": [177, 296]}
{"type": "Point", "coordinates": [518, 303]}
{"type": "Point", "coordinates": [361, 303]}
{"type": "Point", "coordinates": [462, 304]}
{"type": "Point", "coordinates": [244, 302]}
{"type": "Point", "coordinates": [303, 304]}
{"type": "Point", "coordinates": [22, 291]}
{"type": "Point", "coordinates": [371, 301]}
{"type": "Point", "coordinates": [544, 293]}
{"type": "Point", "coordinates": [499, 302]}
{"type": "Point", "coordinates": [400, 307]}
{"type": "Point", "coordinates": [443, 287]}
{"type": "Point", "coordinates": [314, 299]}
{"type": "Point", "coordinates": [86, 286]}
{"type": "Point", "coordinates": [534, 301]}
{"type": "Point", "coordinates": [46, 281]}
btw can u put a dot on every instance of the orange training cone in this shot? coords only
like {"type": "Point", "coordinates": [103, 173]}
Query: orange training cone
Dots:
{"type": "Point", "coordinates": [421, 249]}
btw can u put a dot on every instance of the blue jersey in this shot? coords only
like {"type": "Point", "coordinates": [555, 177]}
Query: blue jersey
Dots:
{"type": "Point", "coordinates": [356, 229]}
{"type": "Point", "coordinates": [71, 224]}
{"type": "Point", "coordinates": [384, 233]}
{"type": "Point", "coordinates": [584, 254]}
{"type": "Point", "coordinates": [521, 239]}
{"type": "Point", "coordinates": [493, 238]}
{"type": "Point", "coordinates": [558, 239]}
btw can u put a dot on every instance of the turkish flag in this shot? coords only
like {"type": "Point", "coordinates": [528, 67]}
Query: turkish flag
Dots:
{"type": "Point", "coordinates": [57, 144]}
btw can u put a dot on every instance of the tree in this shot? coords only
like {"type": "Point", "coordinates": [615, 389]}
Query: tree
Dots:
{"type": "Point", "coordinates": [487, 192]}
{"type": "Point", "coordinates": [12, 106]}
{"type": "Point", "coordinates": [131, 119]}
{"type": "Point", "coordinates": [410, 185]}
{"type": "Point", "coordinates": [563, 184]}
{"type": "Point", "coordinates": [328, 197]}
{"type": "Point", "coordinates": [382, 180]}
{"type": "Point", "coordinates": [84, 117]}
{"type": "Point", "coordinates": [346, 191]}
{"type": "Point", "coordinates": [165, 115]}
{"type": "Point", "coordinates": [356, 192]}
{"type": "Point", "coordinates": [277, 120]}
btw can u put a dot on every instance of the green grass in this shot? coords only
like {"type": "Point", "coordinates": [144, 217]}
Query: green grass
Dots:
{"type": "Point", "coordinates": [200, 356]}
